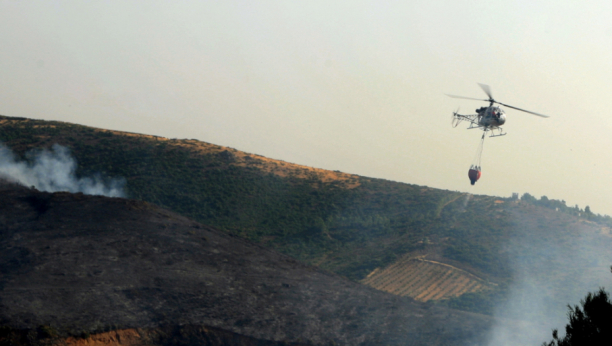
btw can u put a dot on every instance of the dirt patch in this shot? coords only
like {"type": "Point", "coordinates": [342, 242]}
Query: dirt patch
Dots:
{"type": "Point", "coordinates": [114, 338]}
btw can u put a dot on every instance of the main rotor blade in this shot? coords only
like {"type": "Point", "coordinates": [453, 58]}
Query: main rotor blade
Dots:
{"type": "Point", "coordinates": [487, 90]}
{"type": "Point", "coordinates": [524, 110]}
{"type": "Point", "coordinates": [463, 97]}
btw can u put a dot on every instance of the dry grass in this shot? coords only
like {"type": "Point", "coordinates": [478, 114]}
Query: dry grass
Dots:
{"type": "Point", "coordinates": [238, 158]}
{"type": "Point", "coordinates": [243, 159]}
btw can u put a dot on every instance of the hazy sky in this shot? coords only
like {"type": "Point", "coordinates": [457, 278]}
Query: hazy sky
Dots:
{"type": "Point", "coordinates": [356, 86]}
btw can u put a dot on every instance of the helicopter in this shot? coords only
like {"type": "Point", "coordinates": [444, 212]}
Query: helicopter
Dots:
{"type": "Point", "coordinates": [489, 118]}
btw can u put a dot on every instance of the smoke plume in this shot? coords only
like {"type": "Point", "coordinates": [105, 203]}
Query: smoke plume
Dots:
{"type": "Point", "coordinates": [55, 170]}
{"type": "Point", "coordinates": [553, 265]}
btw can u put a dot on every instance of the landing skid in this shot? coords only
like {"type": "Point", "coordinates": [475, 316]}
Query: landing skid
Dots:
{"type": "Point", "coordinates": [499, 130]}
{"type": "Point", "coordinates": [495, 132]}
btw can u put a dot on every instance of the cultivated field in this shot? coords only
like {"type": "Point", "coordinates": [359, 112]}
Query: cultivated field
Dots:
{"type": "Point", "coordinates": [424, 280]}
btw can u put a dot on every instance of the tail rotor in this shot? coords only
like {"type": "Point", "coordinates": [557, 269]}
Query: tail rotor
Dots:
{"type": "Point", "coordinates": [455, 119]}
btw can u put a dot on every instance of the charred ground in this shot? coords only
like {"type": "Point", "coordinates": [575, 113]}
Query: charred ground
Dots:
{"type": "Point", "coordinates": [85, 264]}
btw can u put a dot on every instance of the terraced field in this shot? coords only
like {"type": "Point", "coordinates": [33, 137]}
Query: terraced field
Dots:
{"type": "Point", "coordinates": [424, 280]}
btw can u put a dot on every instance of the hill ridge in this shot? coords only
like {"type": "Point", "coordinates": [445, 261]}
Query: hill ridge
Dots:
{"type": "Point", "coordinates": [240, 158]}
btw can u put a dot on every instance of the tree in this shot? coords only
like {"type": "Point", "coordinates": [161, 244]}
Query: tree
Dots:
{"type": "Point", "coordinates": [590, 324]}
{"type": "Point", "coordinates": [528, 198]}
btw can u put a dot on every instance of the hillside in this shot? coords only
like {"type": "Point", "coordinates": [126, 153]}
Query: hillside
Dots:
{"type": "Point", "coordinates": [348, 224]}
{"type": "Point", "coordinates": [344, 223]}
{"type": "Point", "coordinates": [75, 265]}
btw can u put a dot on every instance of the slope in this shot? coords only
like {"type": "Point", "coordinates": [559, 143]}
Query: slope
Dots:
{"type": "Point", "coordinates": [344, 223]}
{"type": "Point", "coordinates": [79, 264]}
{"type": "Point", "coordinates": [347, 224]}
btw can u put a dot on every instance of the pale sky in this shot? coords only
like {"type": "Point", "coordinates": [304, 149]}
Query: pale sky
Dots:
{"type": "Point", "coordinates": [356, 86]}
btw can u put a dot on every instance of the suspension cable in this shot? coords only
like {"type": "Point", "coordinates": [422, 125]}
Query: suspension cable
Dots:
{"type": "Point", "coordinates": [478, 156]}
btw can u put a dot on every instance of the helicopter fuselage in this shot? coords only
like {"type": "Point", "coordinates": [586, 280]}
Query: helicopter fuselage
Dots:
{"type": "Point", "coordinates": [491, 117]}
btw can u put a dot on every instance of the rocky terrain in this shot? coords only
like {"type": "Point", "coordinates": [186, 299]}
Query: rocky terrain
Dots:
{"type": "Point", "coordinates": [82, 265]}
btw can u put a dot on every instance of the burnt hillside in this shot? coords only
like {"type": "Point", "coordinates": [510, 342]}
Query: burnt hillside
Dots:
{"type": "Point", "coordinates": [86, 264]}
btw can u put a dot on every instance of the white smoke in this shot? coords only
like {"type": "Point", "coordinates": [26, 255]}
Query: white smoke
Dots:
{"type": "Point", "coordinates": [549, 273]}
{"type": "Point", "coordinates": [55, 170]}
{"type": "Point", "coordinates": [467, 199]}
